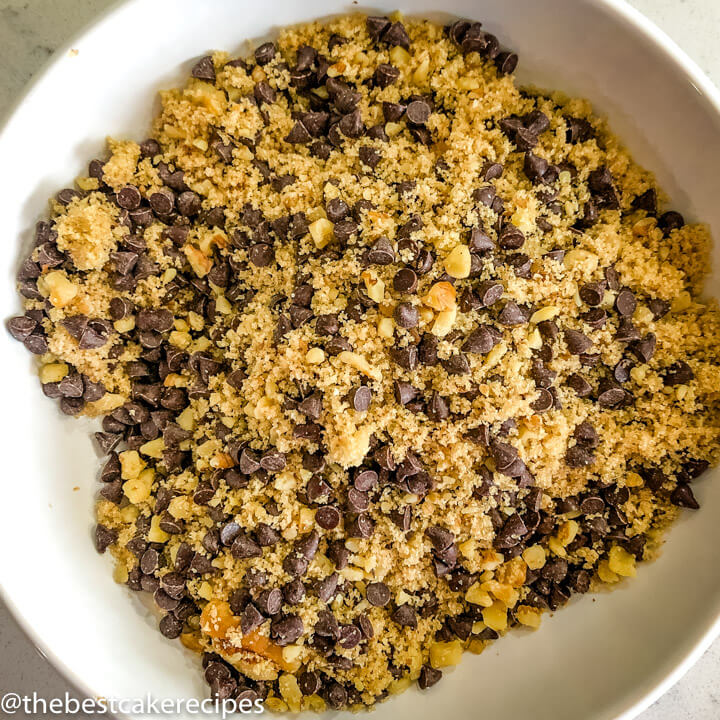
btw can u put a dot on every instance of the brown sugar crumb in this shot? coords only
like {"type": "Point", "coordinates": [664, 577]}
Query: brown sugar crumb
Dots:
{"type": "Point", "coordinates": [391, 356]}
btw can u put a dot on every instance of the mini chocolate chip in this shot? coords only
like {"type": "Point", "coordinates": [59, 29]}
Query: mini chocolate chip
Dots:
{"type": "Point", "coordinates": [418, 112]}
{"type": "Point", "coordinates": [680, 373]}
{"type": "Point", "coordinates": [670, 221]}
{"type": "Point", "coordinates": [659, 308]}
{"type": "Point", "coordinates": [381, 253]}
{"type": "Point", "coordinates": [360, 398]}
{"type": "Point", "coordinates": [245, 547]}
{"type": "Point", "coordinates": [405, 616]}
{"type": "Point", "coordinates": [577, 343]}
{"type": "Point", "coordinates": [683, 496]}
{"type": "Point", "coordinates": [625, 302]}
{"type": "Point", "coordinates": [328, 517]}
{"type": "Point", "coordinates": [385, 75]}
{"type": "Point", "coordinates": [512, 314]}
{"type": "Point", "coordinates": [286, 630]}
{"type": "Point", "coordinates": [489, 292]}
{"type": "Point", "coordinates": [610, 394]}
{"type": "Point", "coordinates": [204, 69]}
{"type": "Point", "coordinates": [406, 315]}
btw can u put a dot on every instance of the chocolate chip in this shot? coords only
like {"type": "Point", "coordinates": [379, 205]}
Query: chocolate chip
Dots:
{"type": "Point", "coordinates": [512, 314]}
{"type": "Point", "coordinates": [309, 683]}
{"type": "Point", "coordinates": [429, 676]}
{"type": "Point", "coordinates": [577, 343]}
{"type": "Point", "coordinates": [385, 75]}
{"type": "Point", "coordinates": [360, 398]}
{"type": "Point", "coordinates": [406, 315]}
{"type": "Point", "coordinates": [406, 358]}
{"type": "Point", "coordinates": [679, 373]}
{"type": "Point", "coordinates": [327, 587]}
{"type": "Point", "coordinates": [265, 53]}
{"type": "Point", "coordinates": [129, 197]}
{"type": "Point", "coordinates": [189, 203]}
{"type": "Point", "coordinates": [361, 526]}
{"type": "Point", "coordinates": [418, 112]}
{"type": "Point", "coordinates": [404, 392]}
{"type": "Point", "coordinates": [376, 26]}
{"type": "Point", "coordinates": [511, 237]}
{"type": "Point", "coordinates": [489, 292]}
{"type": "Point", "coordinates": [286, 630]}
{"type": "Point", "coordinates": [627, 332]}
{"type": "Point", "coordinates": [456, 364]}
{"type": "Point", "coordinates": [625, 302]}
{"type": "Point", "coordinates": [437, 408]}
{"type": "Point", "coordinates": [659, 308]}
{"type": "Point", "coordinates": [245, 547]}
{"type": "Point", "coordinates": [204, 69]}
{"type": "Point", "coordinates": [482, 340]}
{"type": "Point", "coordinates": [405, 281]}
{"type": "Point", "coordinates": [269, 601]}
{"type": "Point", "coordinates": [328, 517]}
{"type": "Point", "coordinates": [683, 496]}
{"type": "Point", "coordinates": [369, 156]}
{"type": "Point", "coordinates": [644, 349]}
{"type": "Point", "coordinates": [670, 221]}
{"type": "Point", "coordinates": [261, 255]}
{"type": "Point", "coordinates": [512, 531]}
{"type": "Point", "coordinates": [381, 253]}
{"type": "Point", "coordinates": [405, 616]}
{"type": "Point", "coordinates": [396, 35]}
{"type": "Point", "coordinates": [610, 394]}
{"type": "Point", "coordinates": [104, 537]}
{"type": "Point", "coordinates": [311, 406]}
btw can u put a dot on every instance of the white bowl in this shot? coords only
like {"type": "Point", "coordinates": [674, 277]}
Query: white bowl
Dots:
{"type": "Point", "coordinates": [602, 657]}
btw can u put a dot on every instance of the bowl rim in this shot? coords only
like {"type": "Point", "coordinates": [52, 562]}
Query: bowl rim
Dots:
{"type": "Point", "coordinates": [636, 702]}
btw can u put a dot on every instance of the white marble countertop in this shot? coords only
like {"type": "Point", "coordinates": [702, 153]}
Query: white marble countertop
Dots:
{"type": "Point", "coordinates": [29, 32]}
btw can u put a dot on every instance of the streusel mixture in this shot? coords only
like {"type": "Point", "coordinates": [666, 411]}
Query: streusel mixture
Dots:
{"type": "Point", "coordinates": [390, 355]}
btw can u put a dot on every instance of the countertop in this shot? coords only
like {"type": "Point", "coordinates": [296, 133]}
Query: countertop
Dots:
{"type": "Point", "coordinates": [29, 32]}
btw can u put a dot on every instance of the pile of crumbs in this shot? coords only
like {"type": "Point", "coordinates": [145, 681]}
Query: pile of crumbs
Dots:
{"type": "Point", "coordinates": [391, 356]}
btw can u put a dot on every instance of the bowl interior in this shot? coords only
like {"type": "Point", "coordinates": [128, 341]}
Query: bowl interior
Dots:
{"type": "Point", "coordinates": [602, 656]}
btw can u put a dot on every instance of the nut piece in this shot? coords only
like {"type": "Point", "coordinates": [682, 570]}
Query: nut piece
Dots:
{"type": "Point", "coordinates": [374, 286]}
{"type": "Point", "coordinates": [545, 313]}
{"type": "Point", "coordinates": [534, 556]}
{"type": "Point", "coordinates": [138, 489]}
{"type": "Point", "coordinates": [478, 596]}
{"type": "Point", "coordinates": [495, 616]}
{"type": "Point", "coordinates": [200, 263]}
{"type": "Point", "coordinates": [131, 464]}
{"type": "Point", "coordinates": [444, 322]}
{"type": "Point", "coordinates": [445, 654]}
{"type": "Point", "coordinates": [441, 296]}
{"type": "Point", "coordinates": [620, 561]}
{"type": "Point", "coordinates": [53, 372]}
{"type": "Point", "coordinates": [457, 263]}
{"type": "Point", "coordinates": [153, 448]}
{"type": "Point", "coordinates": [321, 232]}
{"type": "Point", "coordinates": [59, 289]}
{"type": "Point", "coordinates": [315, 355]}
{"type": "Point", "coordinates": [359, 363]}
{"type": "Point", "coordinates": [528, 616]}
